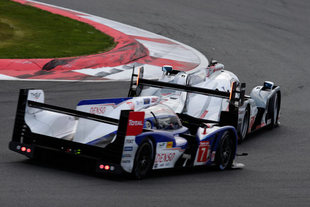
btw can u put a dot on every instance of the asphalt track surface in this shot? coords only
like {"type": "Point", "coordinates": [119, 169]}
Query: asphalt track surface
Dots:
{"type": "Point", "coordinates": [258, 40]}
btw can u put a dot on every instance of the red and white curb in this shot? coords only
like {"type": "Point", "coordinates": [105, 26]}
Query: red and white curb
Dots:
{"type": "Point", "coordinates": [135, 47]}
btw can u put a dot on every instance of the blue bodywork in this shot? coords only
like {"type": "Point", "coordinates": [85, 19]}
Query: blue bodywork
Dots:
{"type": "Point", "coordinates": [103, 101]}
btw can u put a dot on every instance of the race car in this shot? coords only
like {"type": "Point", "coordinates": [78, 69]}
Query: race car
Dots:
{"type": "Point", "coordinates": [133, 135]}
{"type": "Point", "coordinates": [260, 109]}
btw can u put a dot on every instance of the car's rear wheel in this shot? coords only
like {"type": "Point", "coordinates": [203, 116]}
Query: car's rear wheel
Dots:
{"type": "Point", "coordinates": [225, 152]}
{"type": "Point", "coordinates": [274, 111]}
{"type": "Point", "coordinates": [144, 159]}
{"type": "Point", "coordinates": [244, 126]}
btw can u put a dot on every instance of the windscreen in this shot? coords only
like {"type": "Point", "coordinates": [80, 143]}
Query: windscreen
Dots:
{"type": "Point", "coordinates": [161, 117]}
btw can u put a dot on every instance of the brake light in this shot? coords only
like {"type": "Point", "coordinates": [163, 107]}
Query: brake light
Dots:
{"type": "Point", "coordinates": [23, 149]}
{"type": "Point", "coordinates": [105, 167]}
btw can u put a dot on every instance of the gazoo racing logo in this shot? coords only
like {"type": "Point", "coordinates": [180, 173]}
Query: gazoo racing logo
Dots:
{"type": "Point", "coordinates": [135, 123]}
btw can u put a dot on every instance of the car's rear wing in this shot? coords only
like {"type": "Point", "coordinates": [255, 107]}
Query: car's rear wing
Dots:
{"type": "Point", "coordinates": [235, 96]}
{"type": "Point", "coordinates": [25, 141]}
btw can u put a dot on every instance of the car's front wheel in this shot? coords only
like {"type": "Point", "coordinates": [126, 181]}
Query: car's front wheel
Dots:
{"type": "Point", "coordinates": [225, 152]}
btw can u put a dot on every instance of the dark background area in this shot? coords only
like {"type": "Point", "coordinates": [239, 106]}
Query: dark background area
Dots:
{"type": "Point", "coordinates": [257, 40]}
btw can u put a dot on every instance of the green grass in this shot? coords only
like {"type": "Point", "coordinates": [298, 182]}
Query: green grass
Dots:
{"type": "Point", "coordinates": [27, 32]}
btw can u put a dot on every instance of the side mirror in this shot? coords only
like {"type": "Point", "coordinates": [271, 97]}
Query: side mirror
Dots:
{"type": "Point", "coordinates": [268, 85]}
{"type": "Point", "coordinates": [167, 69]}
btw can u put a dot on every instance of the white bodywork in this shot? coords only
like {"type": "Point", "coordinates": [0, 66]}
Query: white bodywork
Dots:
{"type": "Point", "coordinates": [80, 130]}
{"type": "Point", "coordinates": [46, 122]}
{"type": "Point", "coordinates": [209, 107]}
{"type": "Point", "coordinates": [197, 105]}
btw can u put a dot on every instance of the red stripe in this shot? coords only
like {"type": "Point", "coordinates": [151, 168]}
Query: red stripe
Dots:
{"type": "Point", "coordinates": [204, 114]}
{"type": "Point", "coordinates": [56, 75]}
{"type": "Point", "coordinates": [158, 40]}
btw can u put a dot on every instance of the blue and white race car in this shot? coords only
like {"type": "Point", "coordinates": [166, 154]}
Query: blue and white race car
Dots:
{"type": "Point", "coordinates": [156, 129]}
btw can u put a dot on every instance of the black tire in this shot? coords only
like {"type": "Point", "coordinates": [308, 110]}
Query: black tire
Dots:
{"type": "Point", "coordinates": [245, 126]}
{"type": "Point", "coordinates": [144, 159]}
{"type": "Point", "coordinates": [274, 108]}
{"type": "Point", "coordinates": [225, 152]}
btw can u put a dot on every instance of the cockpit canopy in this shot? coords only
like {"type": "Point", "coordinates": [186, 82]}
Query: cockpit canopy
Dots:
{"type": "Point", "coordinates": [162, 117]}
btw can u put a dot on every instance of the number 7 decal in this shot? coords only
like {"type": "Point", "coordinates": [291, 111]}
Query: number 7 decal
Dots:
{"type": "Point", "coordinates": [203, 151]}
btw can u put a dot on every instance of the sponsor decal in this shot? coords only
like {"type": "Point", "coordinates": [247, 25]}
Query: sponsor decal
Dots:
{"type": "Point", "coordinates": [161, 144]}
{"type": "Point", "coordinates": [128, 148]}
{"type": "Point", "coordinates": [154, 99]}
{"type": "Point", "coordinates": [129, 141]}
{"type": "Point", "coordinates": [169, 144]}
{"type": "Point", "coordinates": [99, 110]}
{"type": "Point", "coordinates": [135, 123]}
{"type": "Point", "coordinates": [268, 121]}
{"type": "Point", "coordinates": [164, 157]}
{"type": "Point", "coordinates": [127, 155]}
{"type": "Point", "coordinates": [146, 101]}
{"type": "Point", "coordinates": [161, 110]}
{"type": "Point", "coordinates": [126, 161]}
{"type": "Point", "coordinates": [163, 100]}
{"type": "Point", "coordinates": [131, 105]}
{"type": "Point", "coordinates": [203, 151]}
{"type": "Point", "coordinates": [36, 95]}
{"type": "Point", "coordinates": [138, 103]}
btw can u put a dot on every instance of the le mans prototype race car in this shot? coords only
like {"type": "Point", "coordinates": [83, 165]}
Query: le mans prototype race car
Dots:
{"type": "Point", "coordinates": [179, 121]}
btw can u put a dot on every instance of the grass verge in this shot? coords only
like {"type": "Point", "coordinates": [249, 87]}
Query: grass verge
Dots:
{"type": "Point", "coordinates": [28, 32]}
